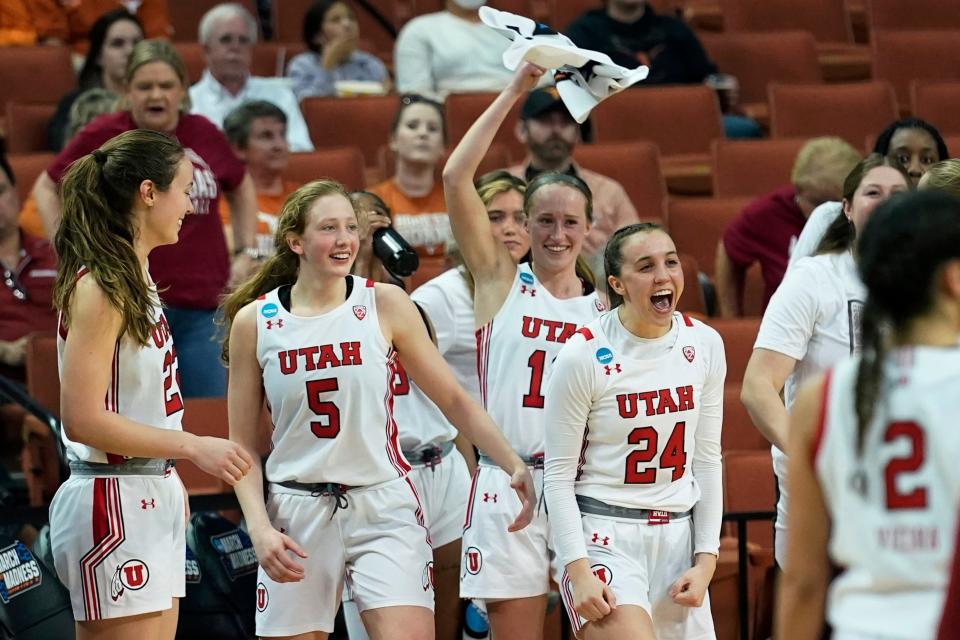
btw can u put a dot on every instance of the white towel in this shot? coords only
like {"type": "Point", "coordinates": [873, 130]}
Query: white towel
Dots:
{"type": "Point", "coordinates": [584, 77]}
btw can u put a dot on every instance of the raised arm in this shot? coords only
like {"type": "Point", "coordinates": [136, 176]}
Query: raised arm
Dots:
{"type": "Point", "coordinates": [87, 356]}
{"type": "Point", "coordinates": [48, 203]}
{"type": "Point", "coordinates": [244, 404]}
{"type": "Point", "coordinates": [404, 327]}
{"type": "Point", "coordinates": [486, 258]}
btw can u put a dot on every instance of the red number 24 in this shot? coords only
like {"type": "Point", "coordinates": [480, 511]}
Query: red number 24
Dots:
{"type": "Point", "coordinates": [672, 457]}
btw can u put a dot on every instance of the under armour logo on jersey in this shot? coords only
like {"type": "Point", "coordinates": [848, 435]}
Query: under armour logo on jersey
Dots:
{"type": "Point", "coordinates": [525, 289]}
{"type": "Point", "coordinates": [148, 504]}
{"type": "Point", "coordinates": [360, 311]}
{"type": "Point", "coordinates": [614, 369]}
{"type": "Point", "coordinates": [274, 323]}
{"type": "Point", "coordinates": [597, 538]}
{"type": "Point", "coordinates": [689, 353]}
{"type": "Point", "coordinates": [489, 497]}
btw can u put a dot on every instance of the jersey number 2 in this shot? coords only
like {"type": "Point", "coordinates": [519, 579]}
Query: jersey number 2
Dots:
{"type": "Point", "coordinates": [896, 499]}
{"type": "Point", "coordinates": [323, 408]}
{"type": "Point", "coordinates": [673, 455]}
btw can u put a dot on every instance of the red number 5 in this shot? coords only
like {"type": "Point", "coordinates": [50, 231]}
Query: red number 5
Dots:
{"type": "Point", "coordinates": [323, 408]}
{"type": "Point", "coordinates": [896, 499]}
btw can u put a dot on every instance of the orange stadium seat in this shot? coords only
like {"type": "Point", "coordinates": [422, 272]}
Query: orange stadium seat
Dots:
{"type": "Point", "coordinates": [185, 20]}
{"type": "Point", "coordinates": [937, 103]}
{"type": "Point", "coordinates": [738, 335]}
{"type": "Point", "coordinates": [916, 14]}
{"type": "Point", "coordinates": [462, 109]}
{"type": "Point", "coordinates": [753, 288]}
{"type": "Point", "coordinates": [26, 129]}
{"type": "Point", "coordinates": [692, 300]}
{"type": "Point", "coordinates": [566, 11]}
{"type": "Point", "coordinates": [203, 417]}
{"type": "Point", "coordinates": [272, 58]}
{"type": "Point", "coordinates": [749, 485]}
{"type": "Point", "coordinates": [360, 122]}
{"type": "Point", "coordinates": [636, 166]}
{"type": "Point", "coordinates": [22, 67]}
{"type": "Point", "coordinates": [953, 144]}
{"type": "Point", "coordinates": [345, 165]}
{"type": "Point", "coordinates": [757, 59]}
{"type": "Point", "coordinates": [900, 57]}
{"type": "Point", "coordinates": [193, 59]}
{"type": "Point", "coordinates": [739, 433]}
{"type": "Point", "coordinates": [696, 225]}
{"type": "Point", "coordinates": [682, 120]}
{"type": "Point", "coordinates": [752, 167]}
{"type": "Point", "coordinates": [851, 111]}
{"type": "Point", "coordinates": [26, 167]}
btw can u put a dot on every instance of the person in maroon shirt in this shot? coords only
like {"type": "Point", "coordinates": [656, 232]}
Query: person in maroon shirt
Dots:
{"type": "Point", "coordinates": [766, 229]}
{"type": "Point", "coordinates": [192, 274]}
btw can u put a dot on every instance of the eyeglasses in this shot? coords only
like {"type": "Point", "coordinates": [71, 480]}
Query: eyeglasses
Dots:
{"type": "Point", "coordinates": [15, 286]}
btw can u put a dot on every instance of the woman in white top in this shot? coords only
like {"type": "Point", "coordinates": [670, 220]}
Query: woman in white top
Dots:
{"type": "Point", "coordinates": [874, 481]}
{"type": "Point", "coordinates": [322, 347]}
{"type": "Point", "coordinates": [813, 319]}
{"type": "Point", "coordinates": [633, 471]}
{"type": "Point", "coordinates": [524, 314]}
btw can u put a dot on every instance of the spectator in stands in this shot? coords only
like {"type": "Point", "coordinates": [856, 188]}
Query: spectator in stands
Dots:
{"type": "Point", "coordinates": [57, 22]}
{"type": "Point", "coordinates": [193, 273]}
{"type": "Point", "coordinates": [550, 134]}
{"type": "Point", "coordinates": [82, 15]}
{"type": "Point", "coordinates": [413, 195]}
{"type": "Point", "coordinates": [450, 51]}
{"type": "Point", "coordinates": [632, 33]}
{"type": "Point", "coordinates": [911, 144]}
{"type": "Point", "coordinates": [112, 38]}
{"type": "Point", "coordinates": [257, 131]}
{"type": "Point", "coordinates": [29, 270]}
{"type": "Point", "coordinates": [330, 33]}
{"type": "Point", "coordinates": [228, 33]}
{"type": "Point", "coordinates": [766, 229]}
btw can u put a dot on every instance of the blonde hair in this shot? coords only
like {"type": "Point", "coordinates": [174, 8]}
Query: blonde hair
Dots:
{"type": "Point", "coordinates": [147, 51]}
{"type": "Point", "coordinates": [823, 163]}
{"type": "Point", "coordinates": [284, 265]}
{"type": "Point", "coordinates": [944, 176]}
{"type": "Point", "coordinates": [88, 105]}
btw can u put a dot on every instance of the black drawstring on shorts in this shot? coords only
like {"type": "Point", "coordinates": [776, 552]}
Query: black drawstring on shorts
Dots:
{"type": "Point", "coordinates": [336, 491]}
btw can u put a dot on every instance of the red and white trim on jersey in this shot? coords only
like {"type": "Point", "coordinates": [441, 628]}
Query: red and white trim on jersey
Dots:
{"type": "Point", "coordinates": [566, 592]}
{"type": "Point", "coordinates": [583, 450]}
{"type": "Point", "coordinates": [483, 358]}
{"type": "Point", "coordinates": [470, 500]}
{"type": "Point", "coordinates": [393, 434]}
{"type": "Point", "coordinates": [419, 513]}
{"type": "Point", "coordinates": [821, 419]}
{"type": "Point", "coordinates": [108, 532]}
{"type": "Point", "coordinates": [112, 399]}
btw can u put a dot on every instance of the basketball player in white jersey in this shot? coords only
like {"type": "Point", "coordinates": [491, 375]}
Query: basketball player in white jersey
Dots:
{"type": "Point", "coordinates": [874, 481]}
{"type": "Point", "coordinates": [322, 348]}
{"type": "Point", "coordinates": [117, 524]}
{"type": "Point", "coordinates": [633, 470]}
{"type": "Point", "coordinates": [524, 314]}
{"type": "Point", "coordinates": [813, 319]}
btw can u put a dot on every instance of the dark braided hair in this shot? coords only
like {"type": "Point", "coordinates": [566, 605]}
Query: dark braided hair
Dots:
{"type": "Point", "coordinates": [882, 146]}
{"type": "Point", "coordinates": [902, 250]}
{"type": "Point", "coordinates": [613, 254]}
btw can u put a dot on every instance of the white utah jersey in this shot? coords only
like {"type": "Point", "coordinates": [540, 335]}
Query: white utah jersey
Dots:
{"type": "Point", "coordinates": [144, 383]}
{"type": "Point", "coordinates": [421, 423]}
{"type": "Point", "coordinates": [328, 381]}
{"type": "Point", "coordinates": [515, 353]}
{"type": "Point", "coordinates": [893, 508]}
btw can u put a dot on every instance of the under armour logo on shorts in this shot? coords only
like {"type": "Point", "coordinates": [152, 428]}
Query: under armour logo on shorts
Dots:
{"type": "Point", "coordinates": [597, 538]}
{"type": "Point", "coordinates": [489, 497]}
{"type": "Point", "coordinates": [148, 504]}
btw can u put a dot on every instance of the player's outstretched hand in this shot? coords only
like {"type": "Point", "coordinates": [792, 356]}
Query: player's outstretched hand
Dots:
{"type": "Point", "coordinates": [526, 77]}
{"type": "Point", "coordinates": [522, 482]}
{"type": "Point", "coordinates": [272, 548]}
{"type": "Point", "coordinates": [222, 459]}
{"type": "Point", "coordinates": [592, 598]}
{"type": "Point", "coordinates": [690, 588]}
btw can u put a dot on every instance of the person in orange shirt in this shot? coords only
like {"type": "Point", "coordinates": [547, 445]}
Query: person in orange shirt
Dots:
{"type": "Point", "coordinates": [54, 22]}
{"type": "Point", "coordinates": [257, 131]}
{"type": "Point", "coordinates": [413, 194]}
{"type": "Point", "coordinates": [24, 23]}
{"type": "Point", "coordinates": [81, 14]}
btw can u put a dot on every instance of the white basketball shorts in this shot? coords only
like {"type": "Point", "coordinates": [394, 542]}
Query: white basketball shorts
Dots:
{"type": "Point", "coordinates": [443, 489]}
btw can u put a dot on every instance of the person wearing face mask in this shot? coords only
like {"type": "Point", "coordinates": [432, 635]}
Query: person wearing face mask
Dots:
{"type": "Point", "coordinates": [911, 144]}
{"type": "Point", "coordinates": [228, 33]}
{"type": "Point", "coordinates": [112, 38]}
{"type": "Point", "coordinates": [192, 274]}
{"type": "Point", "coordinates": [813, 319]}
{"type": "Point", "coordinates": [330, 33]}
{"type": "Point", "coordinates": [550, 134]}
{"type": "Point", "coordinates": [413, 195]}
{"type": "Point", "coordinates": [450, 51]}
{"type": "Point", "coordinates": [767, 228]}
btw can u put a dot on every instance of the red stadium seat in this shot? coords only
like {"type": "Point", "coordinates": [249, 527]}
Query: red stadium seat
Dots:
{"type": "Point", "coordinates": [697, 224]}
{"type": "Point", "coordinates": [739, 433]}
{"type": "Point", "coordinates": [26, 167]}
{"type": "Point", "coordinates": [692, 301]}
{"type": "Point", "coordinates": [35, 74]}
{"type": "Point", "coordinates": [26, 130]}
{"type": "Point", "coordinates": [752, 167]}
{"type": "Point", "coordinates": [749, 485]}
{"type": "Point", "coordinates": [851, 111]}
{"type": "Point", "coordinates": [901, 57]}
{"type": "Point", "coordinates": [185, 19]}
{"type": "Point", "coordinates": [43, 377]}
{"type": "Point", "coordinates": [345, 165]}
{"type": "Point", "coordinates": [936, 102]}
{"type": "Point", "coordinates": [738, 335]}
{"type": "Point", "coordinates": [360, 122]}
{"type": "Point", "coordinates": [462, 110]}
{"type": "Point", "coordinates": [636, 166]}
{"type": "Point", "coordinates": [917, 14]}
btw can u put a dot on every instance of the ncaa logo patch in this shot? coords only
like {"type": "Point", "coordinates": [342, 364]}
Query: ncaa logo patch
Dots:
{"type": "Point", "coordinates": [604, 355]}
{"type": "Point", "coordinates": [602, 572]}
{"type": "Point", "coordinates": [360, 311]}
{"type": "Point", "coordinates": [473, 560]}
{"type": "Point", "coordinates": [263, 598]}
{"type": "Point", "coordinates": [269, 310]}
{"type": "Point", "coordinates": [689, 353]}
{"type": "Point", "coordinates": [526, 278]}
{"type": "Point", "coordinates": [19, 571]}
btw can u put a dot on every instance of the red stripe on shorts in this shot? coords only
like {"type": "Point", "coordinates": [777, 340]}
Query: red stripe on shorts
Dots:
{"type": "Point", "coordinates": [108, 534]}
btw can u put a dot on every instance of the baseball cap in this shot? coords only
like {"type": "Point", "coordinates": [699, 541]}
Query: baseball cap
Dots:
{"type": "Point", "coordinates": [540, 101]}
